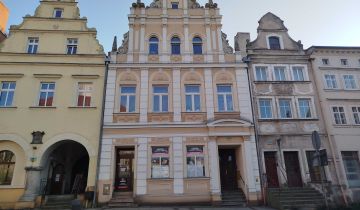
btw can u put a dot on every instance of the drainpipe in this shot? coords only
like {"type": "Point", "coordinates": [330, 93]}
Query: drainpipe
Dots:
{"type": "Point", "coordinates": [247, 60]}
{"type": "Point", "coordinates": [107, 61]}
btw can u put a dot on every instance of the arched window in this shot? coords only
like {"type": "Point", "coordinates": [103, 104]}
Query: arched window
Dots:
{"type": "Point", "coordinates": [274, 43]}
{"type": "Point", "coordinates": [153, 45]}
{"type": "Point", "coordinates": [7, 165]}
{"type": "Point", "coordinates": [197, 45]}
{"type": "Point", "coordinates": [175, 45]}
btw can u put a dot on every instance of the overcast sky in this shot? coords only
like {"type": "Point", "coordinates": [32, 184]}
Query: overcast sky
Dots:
{"type": "Point", "coordinates": [314, 22]}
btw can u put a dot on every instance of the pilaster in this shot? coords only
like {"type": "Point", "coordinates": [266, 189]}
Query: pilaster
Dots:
{"type": "Point", "coordinates": [144, 91]}
{"type": "Point", "coordinates": [110, 96]}
{"type": "Point", "coordinates": [214, 167]}
{"type": "Point", "coordinates": [178, 165]}
{"type": "Point", "coordinates": [176, 95]}
{"type": "Point", "coordinates": [244, 96]}
{"type": "Point", "coordinates": [209, 94]}
{"type": "Point", "coordinates": [141, 170]}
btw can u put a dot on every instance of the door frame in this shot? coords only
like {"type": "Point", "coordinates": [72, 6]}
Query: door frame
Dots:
{"type": "Point", "coordinates": [128, 148]}
{"type": "Point", "coordinates": [277, 162]}
{"type": "Point", "coordinates": [235, 163]}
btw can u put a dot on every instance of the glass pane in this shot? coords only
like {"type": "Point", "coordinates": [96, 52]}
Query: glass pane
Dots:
{"type": "Point", "coordinates": [128, 90]}
{"type": "Point", "coordinates": [81, 100]}
{"type": "Point", "coordinates": [30, 48]}
{"type": "Point", "coordinates": [35, 47]}
{"type": "Point", "coordinates": [188, 103]}
{"type": "Point", "coordinates": [50, 99]}
{"type": "Point", "coordinates": [224, 89]}
{"type": "Point", "coordinates": [154, 49]}
{"type": "Point", "coordinates": [156, 104]}
{"type": "Point", "coordinates": [191, 167]}
{"type": "Point", "coordinates": [175, 49]}
{"type": "Point", "coordinates": [160, 89]}
{"type": "Point", "coordinates": [132, 104]}
{"type": "Point", "coordinates": [221, 102]}
{"type": "Point", "coordinates": [197, 49]}
{"type": "Point", "coordinates": [6, 173]}
{"type": "Point", "coordinates": [42, 99]}
{"type": "Point", "coordinates": [88, 100]}
{"type": "Point", "coordinates": [197, 103]}
{"type": "Point", "coordinates": [44, 86]}
{"type": "Point", "coordinates": [3, 98]}
{"type": "Point", "coordinates": [52, 86]}
{"type": "Point", "coordinates": [229, 102]}
{"type": "Point", "coordinates": [10, 98]}
{"type": "Point", "coordinates": [165, 104]}
{"type": "Point", "coordinates": [192, 89]}
{"type": "Point", "coordinates": [123, 103]}
{"type": "Point", "coordinates": [12, 85]}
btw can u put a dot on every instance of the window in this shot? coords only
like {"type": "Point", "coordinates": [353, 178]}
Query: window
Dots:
{"type": "Point", "coordinates": [46, 94]}
{"type": "Point", "coordinates": [174, 5]}
{"type": "Point", "coordinates": [349, 82]}
{"type": "Point", "coordinates": [305, 108]}
{"type": "Point", "coordinates": [127, 98]}
{"type": "Point", "coordinates": [161, 98]}
{"type": "Point", "coordinates": [325, 61]}
{"type": "Point", "coordinates": [225, 101]}
{"type": "Point", "coordinates": [192, 95]}
{"type": "Point", "coordinates": [339, 115]}
{"type": "Point", "coordinates": [265, 106]}
{"type": "Point", "coordinates": [72, 45]}
{"type": "Point", "coordinates": [315, 171]}
{"type": "Point", "coordinates": [344, 62]}
{"type": "Point", "coordinates": [58, 13]}
{"type": "Point", "coordinates": [331, 81]}
{"type": "Point", "coordinates": [160, 162]}
{"type": "Point", "coordinates": [153, 46]}
{"type": "Point", "coordinates": [175, 45]}
{"type": "Point", "coordinates": [7, 165]}
{"type": "Point", "coordinates": [195, 161]}
{"type": "Point", "coordinates": [352, 168]}
{"type": "Point", "coordinates": [33, 44]}
{"type": "Point", "coordinates": [274, 43]}
{"type": "Point", "coordinates": [197, 45]}
{"type": "Point", "coordinates": [7, 90]}
{"type": "Point", "coordinates": [285, 108]}
{"type": "Point", "coordinates": [298, 73]}
{"type": "Point", "coordinates": [356, 114]}
{"type": "Point", "coordinates": [84, 94]}
{"type": "Point", "coordinates": [261, 73]}
{"type": "Point", "coordinates": [280, 74]}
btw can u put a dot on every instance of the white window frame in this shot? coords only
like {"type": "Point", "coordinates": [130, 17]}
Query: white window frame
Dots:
{"type": "Point", "coordinates": [357, 113]}
{"type": "Point", "coordinates": [327, 60]}
{"type": "Point", "coordinates": [266, 70]}
{"type": "Point", "coordinates": [344, 62]}
{"type": "Point", "coordinates": [292, 105]}
{"type": "Point", "coordinates": [7, 91]}
{"type": "Point", "coordinates": [280, 39]}
{"type": "Point", "coordinates": [203, 155]}
{"type": "Point", "coordinates": [85, 93]}
{"type": "Point", "coordinates": [304, 69]}
{"type": "Point", "coordinates": [192, 95]}
{"type": "Point", "coordinates": [344, 81]}
{"type": "Point", "coordinates": [333, 114]}
{"type": "Point", "coordinates": [47, 91]}
{"type": "Point", "coordinates": [225, 98]}
{"type": "Point", "coordinates": [58, 9]}
{"type": "Point", "coordinates": [342, 163]}
{"type": "Point", "coordinates": [161, 95]}
{"type": "Point", "coordinates": [272, 107]}
{"type": "Point", "coordinates": [72, 43]}
{"type": "Point", "coordinates": [127, 95]}
{"type": "Point", "coordinates": [32, 41]}
{"type": "Point", "coordinates": [286, 74]}
{"type": "Point", "coordinates": [326, 84]}
{"type": "Point", "coordinates": [311, 106]}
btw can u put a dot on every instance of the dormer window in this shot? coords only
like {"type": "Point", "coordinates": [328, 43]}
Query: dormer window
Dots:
{"type": "Point", "coordinates": [58, 13]}
{"type": "Point", "coordinates": [274, 43]}
{"type": "Point", "coordinates": [174, 5]}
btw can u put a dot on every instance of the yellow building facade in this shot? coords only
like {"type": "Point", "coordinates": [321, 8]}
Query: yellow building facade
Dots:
{"type": "Point", "coordinates": [51, 83]}
{"type": "Point", "coordinates": [4, 16]}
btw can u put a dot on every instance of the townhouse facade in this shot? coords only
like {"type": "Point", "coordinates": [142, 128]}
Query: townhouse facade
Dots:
{"type": "Point", "coordinates": [336, 71]}
{"type": "Point", "coordinates": [51, 88]}
{"type": "Point", "coordinates": [178, 121]}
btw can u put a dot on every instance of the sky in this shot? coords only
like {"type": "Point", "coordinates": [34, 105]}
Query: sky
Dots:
{"type": "Point", "coordinates": [314, 22]}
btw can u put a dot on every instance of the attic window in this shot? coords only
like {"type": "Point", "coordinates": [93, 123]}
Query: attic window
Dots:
{"type": "Point", "coordinates": [274, 43]}
{"type": "Point", "coordinates": [174, 5]}
{"type": "Point", "coordinates": [58, 13]}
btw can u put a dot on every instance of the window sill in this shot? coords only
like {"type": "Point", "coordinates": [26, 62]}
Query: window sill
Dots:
{"type": "Point", "coordinates": [281, 82]}
{"type": "Point", "coordinates": [11, 187]}
{"type": "Point", "coordinates": [346, 126]}
{"type": "Point", "coordinates": [160, 179]}
{"type": "Point", "coordinates": [42, 107]}
{"type": "Point", "coordinates": [8, 107]}
{"type": "Point", "coordinates": [338, 89]}
{"type": "Point", "coordinates": [82, 107]}
{"type": "Point", "coordinates": [196, 178]}
{"type": "Point", "coordinates": [290, 119]}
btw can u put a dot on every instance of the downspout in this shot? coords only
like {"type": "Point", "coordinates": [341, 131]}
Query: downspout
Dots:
{"type": "Point", "coordinates": [329, 138]}
{"type": "Point", "coordinates": [94, 202]}
{"type": "Point", "coordinates": [247, 60]}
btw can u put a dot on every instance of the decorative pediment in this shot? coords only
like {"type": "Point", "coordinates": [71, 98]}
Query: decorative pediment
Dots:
{"type": "Point", "coordinates": [160, 77]}
{"type": "Point", "coordinates": [224, 77]}
{"type": "Point", "coordinates": [192, 77]}
{"type": "Point", "coordinates": [128, 77]}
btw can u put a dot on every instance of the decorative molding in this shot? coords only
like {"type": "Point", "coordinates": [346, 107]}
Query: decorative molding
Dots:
{"type": "Point", "coordinates": [52, 76]}
{"type": "Point", "coordinates": [11, 75]}
{"type": "Point", "coordinates": [78, 76]}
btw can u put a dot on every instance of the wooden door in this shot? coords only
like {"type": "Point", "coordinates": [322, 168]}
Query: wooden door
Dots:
{"type": "Point", "coordinates": [271, 169]}
{"type": "Point", "coordinates": [227, 160]}
{"type": "Point", "coordinates": [293, 172]}
{"type": "Point", "coordinates": [124, 170]}
{"type": "Point", "coordinates": [57, 180]}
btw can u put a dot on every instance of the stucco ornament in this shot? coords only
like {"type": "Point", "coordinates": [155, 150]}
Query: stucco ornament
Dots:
{"type": "Point", "coordinates": [138, 4]}
{"type": "Point", "coordinates": [193, 4]}
{"type": "Point", "coordinates": [156, 4]}
{"type": "Point", "coordinates": [226, 46]}
{"type": "Point", "coordinates": [211, 4]}
{"type": "Point", "coordinates": [123, 49]}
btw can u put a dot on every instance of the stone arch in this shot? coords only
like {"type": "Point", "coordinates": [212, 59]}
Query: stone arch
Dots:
{"type": "Point", "coordinates": [192, 77]}
{"type": "Point", "coordinates": [128, 77]}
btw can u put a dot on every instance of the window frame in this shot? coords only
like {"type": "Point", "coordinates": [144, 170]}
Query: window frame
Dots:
{"type": "Point", "coordinates": [161, 95]}
{"type": "Point", "coordinates": [356, 120]}
{"type": "Point", "coordinates": [175, 43]}
{"type": "Point", "coordinates": [197, 43]}
{"type": "Point", "coordinates": [224, 95]}
{"type": "Point", "coordinates": [265, 68]}
{"type": "Point", "coordinates": [353, 82]}
{"type": "Point", "coordinates": [297, 68]}
{"type": "Point", "coordinates": [291, 107]}
{"type": "Point", "coordinates": [192, 95]}
{"type": "Point", "coordinates": [325, 61]}
{"type": "Point", "coordinates": [334, 115]}
{"type": "Point", "coordinates": [73, 44]}
{"type": "Point", "coordinates": [311, 108]}
{"type": "Point", "coordinates": [47, 91]}
{"type": "Point", "coordinates": [153, 43]}
{"type": "Point", "coordinates": [275, 75]}
{"type": "Point", "coordinates": [195, 156]}
{"type": "Point", "coordinates": [173, 4]}
{"type": "Point", "coordinates": [86, 93]}
{"type": "Point", "coordinates": [128, 97]}
{"type": "Point", "coordinates": [160, 156]}
{"type": "Point", "coordinates": [269, 44]}
{"type": "Point", "coordinates": [271, 108]}
{"type": "Point", "coordinates": [332, 80]}
{"type": "Point", "coordinates": [57, 10]}
{"type": "Point", "coordinates": [32, 42]}
{"type": "Point", "coordinates": [344, 62]}
{"type": "Point", "coordinates": [9, 164]}
{"type": "Point", "coordinates": [7, 91]}
{"type": "Point", "coordinates": [354, 154]}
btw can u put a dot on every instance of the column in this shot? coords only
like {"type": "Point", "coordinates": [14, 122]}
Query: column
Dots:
{"type": "Point", "coordinates": [186, 41]}
{"type": "Point", "coordinates": [105, 159]}
{"type": "Point", "coordinates": [252, 165]}
{"type": "Point", "coordinates": [141, 167]}
{"type": "Point", "coordinates": [176, 95]}
{"type": "Point", "coordinates": [221, 48]}
{"type": "Point", "coordinates": [142, 39]}
{"type": "Point", "coordinates": [178, 165]}
{"type": "Point", "coordinates": [110, 96]}
{"type": "Point", "coordinates": [209, 93]}
{"type": "Point", "coordinates": [130, 56]}
{"type": "Point", "coordinates": [244, 96]}
{"type": "Point", "coordinates": [209, 56]}
{"type": "Point", "coordinates": [214, 167]}
{"type": "Point", "coordinates": [165, 52]}
{"type": "Point", "coordinates": [32, 188]}
{"type": "Point", "coordinates": [144, 95]}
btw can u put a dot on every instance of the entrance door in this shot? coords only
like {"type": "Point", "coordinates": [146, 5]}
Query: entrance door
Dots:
{"type": "Point", "coordinates": [124, 170]}
{"type": "Point", "coordinates": [227, 160]}
{"type": "Point", "coordinates": [271, 169]}
{"type": "Point", "coordinates": [293, 169]}
{"type": "Point", "coordinates": [57, 180]}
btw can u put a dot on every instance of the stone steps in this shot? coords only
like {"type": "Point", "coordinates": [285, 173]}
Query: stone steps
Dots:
{"type": "Point", "coordinates": [58, 202]}
{"type": "Point", "coordinates": [122, 200]}
{"type": "Point", "coordinates": [233, 199]}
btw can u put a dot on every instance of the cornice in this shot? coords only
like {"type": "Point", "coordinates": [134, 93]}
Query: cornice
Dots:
{"type": "Point", "coordinates": [177, 65]}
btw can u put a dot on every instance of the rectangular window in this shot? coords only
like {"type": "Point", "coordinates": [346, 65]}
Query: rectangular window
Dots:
{"type": "Point", "coordinates": [325, 61]}
{"type": "Point", "coordinates": [161, 99]}
{"type": "Point", "coordinates": [225, 101]}
{"type": "Point", "coordinates": [285, 108]}
{"type": "Point", "coordinates": [127, 98]}
{"type": "Point", "coordinates": [315, 171]}
{"type": "Point", "coordinates": [349, 81]}
{"type": "Point", "coordinates": [7, 90]}
{"type": "Point", "coordinates": [58, 13]}
{"type": "Point", "coordinates": [84, 94]}
{"type": "Point", "coordinates": [47, 91]}
{"type": "Point", "coordinates": [261, 74]}
{"type": "Point", "coordinates": [298, 73]}
{"type": "Point", "coordinates": [331, 81]}
{"type": "Point", "coordinates": [160, 162]}
{"type": "Point", "coordinates": [174, 5]}
{"type": "Point", "coordinates": [195, 161]}
{"type": "Point", "coordinates": [265, 106]}
{"type": "Point", "coordinates": [344, 62]}
{"type": "Point", "coordinates": [72, 45]}
{"type": "Point", "coordinates": [305, 108]}
{"type": "Point", "coordinates": [356, 114]}
{"type": "Point", "coordinates": [352, 168]}
{"type": "Point", "coordinates": [33, 43]}
{"type": "Point", "coordinates": [192, 95]}
{"type": "Point", "coordinates": [280, 74]}
{"type": "Point", "coordinates": [339, 115]}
